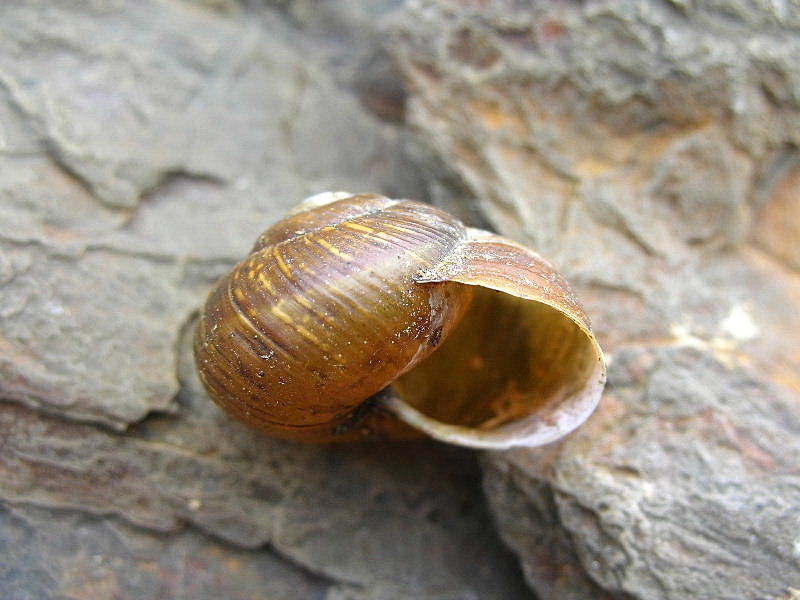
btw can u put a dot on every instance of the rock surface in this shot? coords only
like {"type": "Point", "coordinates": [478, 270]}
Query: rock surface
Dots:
{"type": "Point", "coordinates": [649, 149]}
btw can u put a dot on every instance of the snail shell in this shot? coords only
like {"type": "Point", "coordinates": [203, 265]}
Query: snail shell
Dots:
{"type": "Point", "coordinates": [358, 316]}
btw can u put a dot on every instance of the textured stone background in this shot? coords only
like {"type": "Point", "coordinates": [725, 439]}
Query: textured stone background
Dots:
{"type": "Point", "coordinates": [650, 149]}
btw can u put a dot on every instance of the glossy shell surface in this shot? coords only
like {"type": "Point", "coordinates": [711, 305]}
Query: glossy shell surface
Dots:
{"type": "Point", "coordinates": [359, 316]}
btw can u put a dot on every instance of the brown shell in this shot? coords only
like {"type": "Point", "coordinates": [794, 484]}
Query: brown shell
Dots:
{"type": "Point", "coordinates": [350, 314]}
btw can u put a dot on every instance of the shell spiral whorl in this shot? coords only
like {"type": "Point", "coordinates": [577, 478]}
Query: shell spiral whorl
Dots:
{"type": "Point", "coordinates": [337, 302]}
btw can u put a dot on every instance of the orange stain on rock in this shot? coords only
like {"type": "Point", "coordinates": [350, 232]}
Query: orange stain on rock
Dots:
{"type": "Point", "coordinates": [495, 117]}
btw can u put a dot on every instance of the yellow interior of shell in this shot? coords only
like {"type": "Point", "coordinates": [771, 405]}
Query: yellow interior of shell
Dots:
{"type": "Point", "coordinates": [512, 365]}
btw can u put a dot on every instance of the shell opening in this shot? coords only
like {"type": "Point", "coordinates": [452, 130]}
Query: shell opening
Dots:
{"type": "Point", "coordinates": [515, 372]}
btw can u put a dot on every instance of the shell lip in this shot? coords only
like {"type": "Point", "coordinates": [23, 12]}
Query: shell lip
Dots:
{"type": "Point", "coordinates": [536, 281]}
{"type": "Point", "coordinates": [563, 416]}
{"type": "Point", "coordinates": [535, 430]}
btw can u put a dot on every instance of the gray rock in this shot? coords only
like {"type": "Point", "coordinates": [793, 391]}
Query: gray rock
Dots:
{"type": "Point", "coordinates": [71, 555]}
{"type": "Point", "coordinates": [550, 121]}
{"type": "Point", "coordinates": [91, 336]}
{"type": "Point", "coordinates": [684, 485]}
